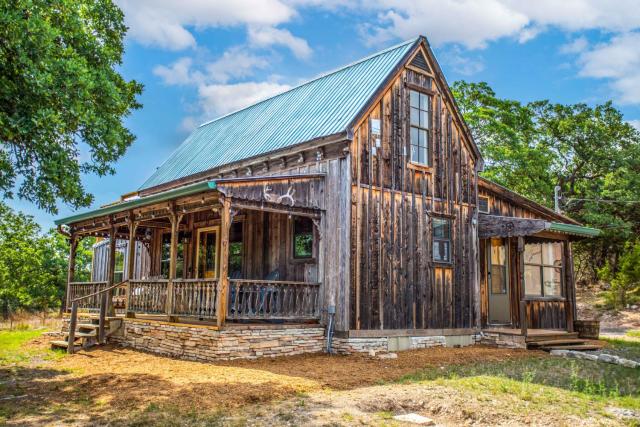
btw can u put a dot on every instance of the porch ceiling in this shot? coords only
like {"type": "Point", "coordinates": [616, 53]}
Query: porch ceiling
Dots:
{"type": "Point", "coordinates": [504, 226]}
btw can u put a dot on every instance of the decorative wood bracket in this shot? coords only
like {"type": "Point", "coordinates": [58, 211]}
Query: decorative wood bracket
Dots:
{"type": "Point", "coordinates": [317, 222]}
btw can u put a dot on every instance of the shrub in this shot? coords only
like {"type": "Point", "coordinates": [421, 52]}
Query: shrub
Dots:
{"type": "Point", "coordinates": [625, 282]}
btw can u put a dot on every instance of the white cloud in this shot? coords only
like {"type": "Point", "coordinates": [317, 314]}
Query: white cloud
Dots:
{"type": "Point", "coordinates": [218, 99]}
{"type": "Point", "coordinates": [635, 124]}
{"type": "Point", "coordinates": [235, 62]}
{"type": "Point", "coordinates": [475, 23]}
{"type": "Point", "coordinates": [617, 61]}
{"type": "Point", "coordinates": [269, 36]}
{"type": "Point", "coordinates": [577, 45]}
{"type": "Point", "coordinates": [178, 73]}
{"type": "Point", "coordinates": [167, 23]}
{"type": "Point", "coordinates": [461, 62]}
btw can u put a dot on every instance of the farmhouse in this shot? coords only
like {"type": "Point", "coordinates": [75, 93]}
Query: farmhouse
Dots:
{"type": "Point", "coordinates": [344, 213]}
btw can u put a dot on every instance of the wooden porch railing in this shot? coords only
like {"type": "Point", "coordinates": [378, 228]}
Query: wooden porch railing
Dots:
{"type": "Point", "coordinates": [247, 299]}
{"type": "Point", "coordinates": [148, 296]}
{"type": "Point", "coordinates": [86, 294]}
{"type": "Point", "coordinates": [194, 297]}
{"type": "Point", "coordinates": [269, 299]}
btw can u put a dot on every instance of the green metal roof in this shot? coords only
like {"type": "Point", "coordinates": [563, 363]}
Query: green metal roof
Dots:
{"type": "Point", "coordinates": [577, 230]}
{"type": "Point", "coordinates": [136, 203]}
{"type": "Point", "coordinates": [321, 107]}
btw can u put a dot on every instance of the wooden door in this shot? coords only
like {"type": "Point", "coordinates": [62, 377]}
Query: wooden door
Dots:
{"type": "Point", "coordinates": [208, 252]}
{"type": "Point", "coordinates": [498, 282]}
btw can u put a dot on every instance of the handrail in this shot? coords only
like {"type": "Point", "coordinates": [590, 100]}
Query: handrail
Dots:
{"type": "Point", "coordinates": [276, 282]}
{"type": "Point", "coordinates": [100, 291]}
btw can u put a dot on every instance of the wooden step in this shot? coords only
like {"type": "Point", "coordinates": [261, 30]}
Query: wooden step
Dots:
{"type": "Point", "coordinates": [583, 347]}
{"type": "Point", "coordinates": [550, 337]}
{"type": "Point", "coordinates": [63, 344]}
{"type": "Point", "coordinates": [79, 334]}
{"type": "Point", "coordinates": [568, 341]}
{"type": "Point", "coordinates": [87, 326]}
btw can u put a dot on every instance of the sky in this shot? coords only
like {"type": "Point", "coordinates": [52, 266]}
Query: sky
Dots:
{"type": "Point", "coordinates": [199, 59]}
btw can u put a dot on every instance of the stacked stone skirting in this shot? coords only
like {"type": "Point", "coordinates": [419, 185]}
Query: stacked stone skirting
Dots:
{"type": "Point", "coordinates": [205, 343]}
{"type": "Point", "coordinates": [383, 344]}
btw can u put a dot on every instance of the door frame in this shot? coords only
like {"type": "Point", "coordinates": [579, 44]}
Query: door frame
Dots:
{"type": "Point", "coordinates": [506, 243]}
{"type": "Point", "coordinates": [199, 231]}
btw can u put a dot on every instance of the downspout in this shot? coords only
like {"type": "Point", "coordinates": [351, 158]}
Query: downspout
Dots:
{"type": "Point", "coordinates": [331, 312]}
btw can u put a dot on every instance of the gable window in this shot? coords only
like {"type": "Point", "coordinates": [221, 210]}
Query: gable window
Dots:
{"type": "Point", "coordinates": [543, 269]}
{"type": "Point", "coordinates": [483, 204]}
{"type": "Point", "coordinates": [419, 133]}
{"type": "Point", "coordinates": [441, 239]}
{"type": "Point", "coordinates": [302, 238]}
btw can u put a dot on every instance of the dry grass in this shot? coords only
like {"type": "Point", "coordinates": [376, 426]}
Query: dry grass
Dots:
{"type": "Point", "coordinates": [117, 386]}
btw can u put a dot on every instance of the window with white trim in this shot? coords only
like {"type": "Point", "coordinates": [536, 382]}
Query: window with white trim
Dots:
{"type": "Point", "coordinates": [543, 269]}
{"type": "Point", "coordinates": [420, 124]}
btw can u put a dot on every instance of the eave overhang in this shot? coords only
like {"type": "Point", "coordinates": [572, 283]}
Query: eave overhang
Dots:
{"type": "Point", "coordinates": [140, 202]}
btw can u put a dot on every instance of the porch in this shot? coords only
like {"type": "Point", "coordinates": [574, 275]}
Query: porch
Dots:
{"type": "Point", "coordinates": [526, 277]}
{"type": "Point", "coordinates": [224, 252]}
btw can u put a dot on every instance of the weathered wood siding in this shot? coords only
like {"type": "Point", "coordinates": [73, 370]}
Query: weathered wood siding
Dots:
{"type": "Point", "coordinates": [396, 284]}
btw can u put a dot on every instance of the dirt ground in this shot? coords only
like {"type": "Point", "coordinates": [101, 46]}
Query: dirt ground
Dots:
{"type": "Point", "coordinates": [119, 386]}
{"type": "Point", "coordinates": [612, 322]}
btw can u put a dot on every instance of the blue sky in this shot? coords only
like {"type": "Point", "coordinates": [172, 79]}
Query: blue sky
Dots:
{"type": "Point", "coordinates": [199, 59]}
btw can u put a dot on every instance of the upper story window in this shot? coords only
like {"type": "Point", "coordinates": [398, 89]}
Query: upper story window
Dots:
{"type": "Point", "coordinates": [543, 269]}
{"type": "Point", "coordinates": [483, 204]}
{"type": "Point", "coordinates": [441, 240]}
{"type": "Point", "coordinates": [419, 138]}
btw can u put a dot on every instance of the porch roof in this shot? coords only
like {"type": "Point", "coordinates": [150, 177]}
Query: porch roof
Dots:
{"type": "Point", "coordinates": [138, 202]}
{"type": "Point", "coordinates": [505, 226]}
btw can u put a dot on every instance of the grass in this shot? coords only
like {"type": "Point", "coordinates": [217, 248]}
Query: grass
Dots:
{"type": "Point", "coordinates": [13, 349]}
{"type": "Point", "coordinates": [634, 333]}
{"type": "Point", "coordinates": [627, 347]}
{"type": "Point", "coordinates": [536, 384]}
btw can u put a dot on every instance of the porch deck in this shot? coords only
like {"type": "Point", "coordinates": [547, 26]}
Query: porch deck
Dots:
{"type": "Point", "coordinates": [533, 333]}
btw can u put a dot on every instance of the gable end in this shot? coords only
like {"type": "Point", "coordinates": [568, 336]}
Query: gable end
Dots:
{"type": "Point", "coordinates": [420, 62]}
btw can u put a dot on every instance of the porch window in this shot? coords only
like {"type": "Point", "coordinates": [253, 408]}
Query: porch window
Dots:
{"type": "Point", "coordinates": [543, 269]}
{"type": "Point", "coordinates": [166, 255]}
{"type": "Point", "coordinates": [118, 271]}
{"type": "Point", "coordinates": [302, 238]}
{"type": "Point", "coordinates": [235, 250]}
{"type": "Point", "coordinates": [441, 240]}
{"type": "Point", "coordinates": [419, 135]}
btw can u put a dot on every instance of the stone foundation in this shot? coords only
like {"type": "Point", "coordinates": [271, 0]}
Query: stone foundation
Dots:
{"type": "Point", "coordinates": [206, 343]}
{"type": "Point", "coordinates": [502, 340]}
{"type": "Point", "coordinates": [400, 343]}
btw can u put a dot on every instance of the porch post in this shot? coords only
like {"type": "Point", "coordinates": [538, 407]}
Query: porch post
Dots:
{"type": "Point", "coordinates": [570, 286]}
{"type": "Point", "coordinates": [173, 260]}
{"type": "Point", "coordinates": [73, 246]}
{"type": "Point", "coordinates": [524, 326]}
{"type": "Point", "coordinates": [223, 283]}
{"type": "Point", "coordinates": [111, 268]}
{"type": "Point", "coordinates": [131, 258]}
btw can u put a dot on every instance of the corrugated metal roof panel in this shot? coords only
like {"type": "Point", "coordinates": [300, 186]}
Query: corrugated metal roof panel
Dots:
{"type": "Point", "coordinates": [321, 107]}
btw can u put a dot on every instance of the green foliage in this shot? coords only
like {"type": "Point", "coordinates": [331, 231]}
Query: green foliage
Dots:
{"type": "Point", "coordinates": [625, 282]}
{"type": "Point", "coordinates": [62, 101]}
{"type": "Point", "coordinates": [33, 267]}
{"type": "Point", "coordinates": [592, 153]}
